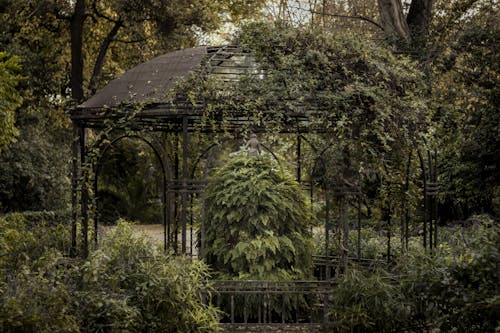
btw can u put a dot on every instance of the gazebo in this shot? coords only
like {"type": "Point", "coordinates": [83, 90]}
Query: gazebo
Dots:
{"type": "Point", "coordinates": [140, 104]}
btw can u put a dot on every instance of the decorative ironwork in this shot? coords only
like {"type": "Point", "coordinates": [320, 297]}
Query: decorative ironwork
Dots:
{"type": "Point", "coordinates": [272, 299]}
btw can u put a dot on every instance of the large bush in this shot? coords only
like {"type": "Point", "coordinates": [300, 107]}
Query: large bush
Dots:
{"type": "Point", "coordinates": [258, 223]}
{"type": "Point", "coordinates": [454, 289]}
{"type": "Point", "coordinates": [457, 288]}
{"type": "Point", "coordinates": [152, 291]}
{"type": "Point", "coordinates": [128, 285]}
{"type": "Point", "coordinates": [367, 302]}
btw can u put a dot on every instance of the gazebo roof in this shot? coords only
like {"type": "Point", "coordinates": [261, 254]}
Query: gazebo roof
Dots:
{"type": "Point", "coordinates": [148, 84]}
{"type": "Point", "coordinates": [149, 80]}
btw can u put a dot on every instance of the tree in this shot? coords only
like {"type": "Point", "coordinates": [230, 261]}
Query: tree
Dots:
{"type": "Point", "coordinates": [10, 98]}
{"type": "Point", "coordinates": [468, 116]}
{"type": "Point", "coordinates": [134, 22]}
{"type": "Point", "coordinates": [34, 170]}
{"type": "Point", "coordinates": [410, 28]}
{"type": "Point", "coordinates": [107, 37]}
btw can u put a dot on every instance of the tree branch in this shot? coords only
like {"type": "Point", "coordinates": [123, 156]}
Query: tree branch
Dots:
{"type": "Point", "coordinates": [99, 63]}
{"type": "Point", "coordinates": [101, 15]}
{"type": "Point", "coordinates": [129, 41]}
{"type": "Point", "coordinates": [354, 17]}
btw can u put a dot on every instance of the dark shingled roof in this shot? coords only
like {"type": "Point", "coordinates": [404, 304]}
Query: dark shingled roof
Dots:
{"type": "Point", "coordinates": [149, 80]}
{"type": "Point", "coordinates": [150, 83]}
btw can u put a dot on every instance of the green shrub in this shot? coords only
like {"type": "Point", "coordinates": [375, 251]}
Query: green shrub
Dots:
{"type": "Point", "coordinates": [22, 240]}
{"type": "Point", "coordinates": [33, 219]}
{"type": "Point", "coordinates": [366, 302]}
{"type": "Point", "coordinates": [258, 221]}
{"type": "Point", "coordinates": [454, 289]}
{"type": "Point", "coordinates": [37, 299]}
{"type": "Point", "coordinates": [153, 292]}
{"type": "Point", "coordinates": [127, 285]}
{"type": "Point", "coordinates": [457, 288]}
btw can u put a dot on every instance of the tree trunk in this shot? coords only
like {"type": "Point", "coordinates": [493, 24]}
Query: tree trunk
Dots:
{"type": "Point", "coordinates": [77, 20]}
{"type": "Point", "coordinates": [419, 16]}
{"type": "Point", "coordinates": [393, 20]}
{"type": "Point", "coordinates": [418, 20]}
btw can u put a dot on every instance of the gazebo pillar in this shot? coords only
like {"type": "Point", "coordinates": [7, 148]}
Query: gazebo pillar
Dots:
{"type": "Point", "coordinates": [74, 187]}
{"type": "Point", "coordinates": [79, 178]}
{"type": "Point", "coordinates": [85, 195]}
{"type": "Point", "coordinates": [184, 190]}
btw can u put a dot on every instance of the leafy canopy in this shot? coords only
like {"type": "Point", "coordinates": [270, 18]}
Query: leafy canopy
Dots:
{"type": "Point", "coordinates": [10, 99]}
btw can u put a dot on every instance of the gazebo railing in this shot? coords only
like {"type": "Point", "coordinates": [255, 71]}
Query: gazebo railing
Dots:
{"type": "Point", "coordinates": [271, 302]}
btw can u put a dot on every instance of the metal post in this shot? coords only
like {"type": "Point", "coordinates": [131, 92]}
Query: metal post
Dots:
{"type": "Point", "coordinates": [203, 218]}
{"type": "Point", "coordinates": [283, 308]}
{"type": "Point", "coordinates": [299, 159]}
{"type": "Point", "coordinates": [232, 308]}
{"type": "Point", "coordinates": [166, 212]}
{"type": "Point", "coordinates": [327, 221]}
{"type": "Point", "coordinates": [175, 226]}
{"type": "Point", "coordinates": [359, 226]}
{"type": "Point", "coordinates": [259, 309]}
{"type": "Point", "coordinates": [424, 178]}
{"type": "Point", "coordinates": [344, 206]}
{"type": "Point", "coordinates": [191, 224]}
{"type": "Point", "coordinates": [296, 307]}
{"type": "Point", "coordinates": [184, 181]}
{"type": "Point", "coordinates": [84, 198]}
{"type": "Point", "coordinates": [389, 235]}
{"type": "Point", "coordinates": [435, 199]}
{"type": "Point", "coordinates": [74, 188]}
{"type": "Point", "coordinates": [431, 201]}
{"type": "Point", "coordinates": [245, 309]}
{"type": "Point", "coordinates": [96, 210]}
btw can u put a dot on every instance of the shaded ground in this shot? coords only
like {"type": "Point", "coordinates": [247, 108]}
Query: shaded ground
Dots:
{"type": "Point", "coordinates": [264, 328]}
{"type": "Point", "coordinates": [155, 232]}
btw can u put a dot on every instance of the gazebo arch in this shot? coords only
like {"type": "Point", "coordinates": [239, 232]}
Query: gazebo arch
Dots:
{"type": "Point", "coordinates": [154, 144]}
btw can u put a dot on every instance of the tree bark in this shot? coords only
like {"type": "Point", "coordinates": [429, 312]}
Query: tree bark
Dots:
{"type": "Point", "coordinates": [418, 20]}
{"type": "Point", "coordinates": [76, 22]}
{"type": "Point", "coordinates": [419, 16]}
{"type": "Point", "coordinates": [393, 20]}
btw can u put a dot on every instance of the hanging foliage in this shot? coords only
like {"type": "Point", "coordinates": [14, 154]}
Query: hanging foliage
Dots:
{"type": "Point", "coordinates": [366, 105]}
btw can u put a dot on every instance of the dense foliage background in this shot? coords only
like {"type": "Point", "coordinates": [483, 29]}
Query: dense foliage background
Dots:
{"type": "Point", "coordinates": [392, 77]}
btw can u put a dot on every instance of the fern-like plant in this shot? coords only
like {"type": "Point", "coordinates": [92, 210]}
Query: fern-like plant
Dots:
{"type": "Point", "coordinates": [258, 221]}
